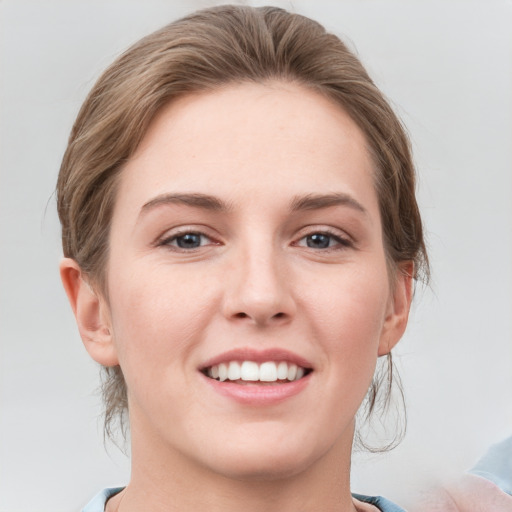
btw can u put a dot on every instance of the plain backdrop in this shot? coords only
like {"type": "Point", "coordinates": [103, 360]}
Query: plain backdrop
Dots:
{"type": "Point", "coordinates": [447, 67]}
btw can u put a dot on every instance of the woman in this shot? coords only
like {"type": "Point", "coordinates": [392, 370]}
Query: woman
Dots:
{"type": "Point", "coordinates": [241, 236]}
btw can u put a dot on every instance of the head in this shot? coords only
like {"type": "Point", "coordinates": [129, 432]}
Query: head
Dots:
{"type": "Point", "coordinates": [206, 53]}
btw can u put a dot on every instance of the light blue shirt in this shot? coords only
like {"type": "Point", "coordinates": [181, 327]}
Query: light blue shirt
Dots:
{"type": "Point", "coordinates": [97, 504]}
{"type": "Point", "coordinates": [496, 465]}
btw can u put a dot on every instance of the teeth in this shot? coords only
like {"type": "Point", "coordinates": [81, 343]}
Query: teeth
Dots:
{"type": "Point", "coordinates": [282, 370]}
{"type": "Point", "coordinates": [292, 372]}
{"type": "Point", "coordinates": [223, 372]}
{"type": "Point", "coordinates": [234, 370]}
{"type": "Point", "coordinates": [268, 371]}
{"type": "Point", "coordinates": [250, 371]}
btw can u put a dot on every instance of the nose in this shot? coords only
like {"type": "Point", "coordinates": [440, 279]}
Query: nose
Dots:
{"type": "Point", "coordinates": [258, 289]}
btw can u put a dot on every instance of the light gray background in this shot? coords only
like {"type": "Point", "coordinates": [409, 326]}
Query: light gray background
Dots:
{"type": "Point", "coordinates": [447, 65]}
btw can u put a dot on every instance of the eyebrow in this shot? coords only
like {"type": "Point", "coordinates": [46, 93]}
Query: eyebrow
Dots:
{"type": "Point", "coordinates": [212, 203]}
{"type": "Point", "coordinates": [203, 201]}
{"type": "Point", "coordinates": [319, 201]}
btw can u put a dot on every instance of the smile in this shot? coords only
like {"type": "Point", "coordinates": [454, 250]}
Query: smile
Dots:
{"type": "Point", "coordinates": [250, 371]}
{"type": "Point", "coordinates": [257, 378]}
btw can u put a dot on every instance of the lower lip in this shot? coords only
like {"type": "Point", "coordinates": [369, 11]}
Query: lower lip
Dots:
{"type": "Point", "coordinates": [258, 394]}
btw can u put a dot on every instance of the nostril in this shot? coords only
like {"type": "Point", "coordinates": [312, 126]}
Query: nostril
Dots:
{"type": "Point", "coordinates": [260, 318]}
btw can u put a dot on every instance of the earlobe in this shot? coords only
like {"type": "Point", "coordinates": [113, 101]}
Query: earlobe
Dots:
{"type": "Point", "coordinates": [398, 308]}
{"type": "Point", "coordinates": [91, 313]}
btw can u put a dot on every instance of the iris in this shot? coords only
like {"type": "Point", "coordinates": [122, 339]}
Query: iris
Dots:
{"type": "Point", "coordinates": [318, 241]}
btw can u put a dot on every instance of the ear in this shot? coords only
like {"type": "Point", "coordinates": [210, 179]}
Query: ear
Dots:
{"type": "Point", "coordinates": [398, 308]}
{"type": "Point", "coordinates": [91, 313]}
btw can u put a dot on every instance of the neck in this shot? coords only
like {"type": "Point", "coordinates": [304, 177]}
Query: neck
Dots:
{"type": "Point", "coordinates": [166, 480]}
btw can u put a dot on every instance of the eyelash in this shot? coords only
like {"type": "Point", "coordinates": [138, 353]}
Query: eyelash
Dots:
{"type": "Point", "coordinates": [168, 241]}
{"type": "Point", "coordinates": [340, 242]}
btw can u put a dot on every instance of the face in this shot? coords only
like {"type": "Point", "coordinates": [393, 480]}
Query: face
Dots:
{"type": "Point", "coordinates": [249, 295]}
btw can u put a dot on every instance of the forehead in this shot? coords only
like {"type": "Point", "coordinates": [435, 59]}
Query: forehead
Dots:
{"type": "Point", "coordinates": [264, 136]}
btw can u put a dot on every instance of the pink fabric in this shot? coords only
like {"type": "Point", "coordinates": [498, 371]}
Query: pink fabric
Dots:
{"type": "Point", "coordinates": [469, 494]}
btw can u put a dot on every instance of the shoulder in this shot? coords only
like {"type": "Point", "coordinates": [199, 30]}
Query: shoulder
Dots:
{"type": "Point", "coordinates": [496, 465]}
{"type": "Point", "coordinates": [97, 504]}
{"type": "Point", "coordinates": [381, 503]}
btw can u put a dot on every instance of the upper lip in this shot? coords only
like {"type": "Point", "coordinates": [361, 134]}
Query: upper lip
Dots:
{"type": "Point", "coordinates": [258, 356]}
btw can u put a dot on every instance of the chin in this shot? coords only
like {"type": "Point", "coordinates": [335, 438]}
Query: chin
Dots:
{"type": "Point", "coordinates": [266, 461]}
{"type": "Point", "coordinates": [259, 469]}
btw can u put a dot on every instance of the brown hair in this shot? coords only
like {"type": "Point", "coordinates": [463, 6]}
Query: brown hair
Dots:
{"type": "Point", "coordinates": [203, 51]}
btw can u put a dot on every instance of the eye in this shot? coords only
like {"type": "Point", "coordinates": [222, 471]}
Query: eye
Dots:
{"type": "Point", "coordinates": [188, 240]}
{"type": "Point", "coordinates": [323, 240]}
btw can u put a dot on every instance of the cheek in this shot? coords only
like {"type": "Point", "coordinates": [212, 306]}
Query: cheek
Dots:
{"type": "Point", "coordinates": [349, 318]}
{"type": "Point", "coordinates": [352, 304]}
{"type": "Point", "coordinates": [157, 314]}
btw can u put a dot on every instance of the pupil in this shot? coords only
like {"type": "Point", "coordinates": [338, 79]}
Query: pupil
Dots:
{"type": "Point", "coordinates": [189, 241]}
{"type": "Point", "coordinates": [318, 241]}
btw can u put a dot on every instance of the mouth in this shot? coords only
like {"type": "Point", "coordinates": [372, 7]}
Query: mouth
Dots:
{"type": "Point", "coordinates": [257, 378]}
{"type": "Point", "coordinates": [267, 372]}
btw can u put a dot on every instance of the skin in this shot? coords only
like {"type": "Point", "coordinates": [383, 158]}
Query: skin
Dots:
{"type": "Point", "coordinates": [253, 282]}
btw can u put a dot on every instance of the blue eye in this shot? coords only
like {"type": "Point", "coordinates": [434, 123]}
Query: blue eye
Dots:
{"type": "Point", "coordinates": [187, 240]}
{"type": "Point", "coordinates": [322, 241]}
{"type": "Point", "coordinates": [318, 241]}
